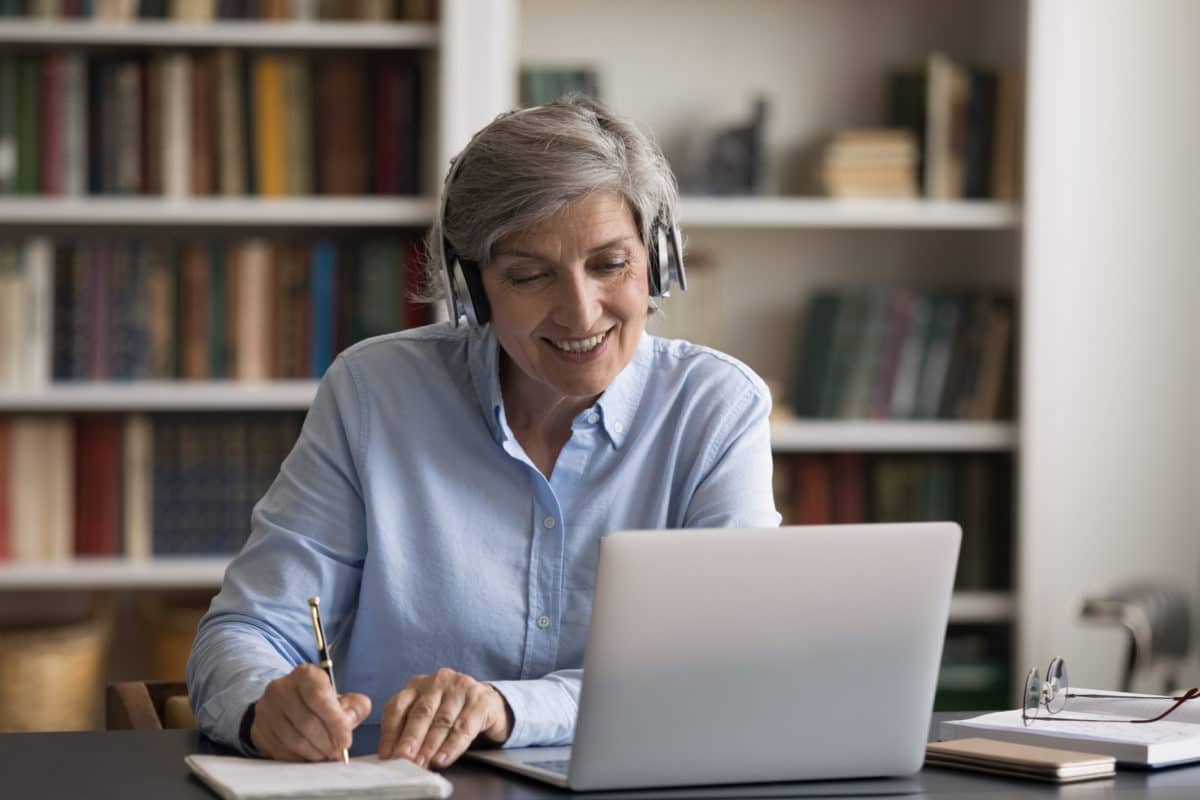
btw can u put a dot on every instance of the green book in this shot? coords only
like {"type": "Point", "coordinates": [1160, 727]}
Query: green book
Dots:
{"type": "Point", "coordinates": [8, 124]}
{"type": "Point", "coordinates": [813, 362]}
{"type": "Point", "coordinates": [29, 112]}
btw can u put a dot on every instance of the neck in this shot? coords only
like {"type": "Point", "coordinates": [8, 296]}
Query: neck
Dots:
{"type": "Point", "coordinates": [536, 409]}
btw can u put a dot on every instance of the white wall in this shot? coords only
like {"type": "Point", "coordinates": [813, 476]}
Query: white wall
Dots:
{"type": "Point", "coordinates": [1110, 482]}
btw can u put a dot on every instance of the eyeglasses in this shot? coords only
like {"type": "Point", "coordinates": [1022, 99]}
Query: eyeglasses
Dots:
{"type": "Point", "coordinates": [1053, 693]}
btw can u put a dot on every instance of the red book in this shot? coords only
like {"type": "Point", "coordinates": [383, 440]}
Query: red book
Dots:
{"type": "Point", "coordinates": [98, 471]}
{"type": "Point", "coordinates": [416, 314]}
{"type": "Point", "coordinates": [52, 124]}
{"type": "Point", "coordinates": [812, 494]}
{"type": "Point", "coordinates": [5, 496]}
{"type": "Point", "coordinates": [387, 173]}
{"type": "Point", "coordinates": [849, 488]}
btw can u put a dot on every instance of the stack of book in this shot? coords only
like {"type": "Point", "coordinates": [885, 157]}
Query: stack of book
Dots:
{"type": "Point", "coordinates": [221, 122]}
{"type": "Point", "coordinates": [255, 309]}
{"type": "Point", "coordinates": [871, 163]}
{"type": "Point", "coordinates": [898, 353]}
{"type": "Point", "coordinates": [973, 489]}
{"type": "Point", "coordinates": [136, 485]}
{"type": "Point", "coordinates": [966, 121]}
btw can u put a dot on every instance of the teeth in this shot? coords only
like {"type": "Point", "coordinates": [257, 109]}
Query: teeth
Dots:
{"type": "Point", "coordinates": [581, 345]}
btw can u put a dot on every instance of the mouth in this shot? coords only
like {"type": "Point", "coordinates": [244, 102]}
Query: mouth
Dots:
{"type": "Point", "coordinates": [580, 349]}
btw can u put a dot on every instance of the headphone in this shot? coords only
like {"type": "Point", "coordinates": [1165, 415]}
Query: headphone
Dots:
{"type": "Point", "coordinates": [465, 296]}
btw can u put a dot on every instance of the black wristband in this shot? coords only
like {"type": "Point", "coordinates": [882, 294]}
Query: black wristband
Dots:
{"type": "Point", "coordinates": [244, 731]}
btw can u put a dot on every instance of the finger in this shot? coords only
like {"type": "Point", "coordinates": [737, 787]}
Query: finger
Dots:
{"type": "Point", "coordinates": [280, 737]}
{"type": "Point", "coordinates": [356, 707]}
{"type": "Point", "coordinates": [393, 718]}
{"type": "Point", "coordinates": [444, 720]}
{"type": "Point", "coordinates": [417, 721]}
{"type": "Point", "coordinates": [326, 725]}
{"type": "Point", "coordinates": [296, 744]}
{"type": "Point", "coordinates": [472, 719]}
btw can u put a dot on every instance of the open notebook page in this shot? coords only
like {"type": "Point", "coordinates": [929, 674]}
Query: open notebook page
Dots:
{"type": "Point", "coordinates": [238, 778]}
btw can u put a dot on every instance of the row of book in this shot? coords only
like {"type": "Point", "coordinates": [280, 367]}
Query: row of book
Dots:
{"type": "Point", "coordinates": [209, 122]}
{"type": "Point", "coordinates": [208, 10]}
{"type": "Point", "coordinates": [136, 485]}
{"type": "Point", "coordinates": [974, 490]}
{"type": "Point", "coordinates": [967, 122]}
{"type": "Point", "coordinates": [255, 309]}
{"type": "Point", "coordinates": [976, 671]}
{"type": "Point", "coordinates": [888, 352]}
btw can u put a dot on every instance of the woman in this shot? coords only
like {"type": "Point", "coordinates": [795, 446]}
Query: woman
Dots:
{"type": "Point", "coordinates": [449, 490]}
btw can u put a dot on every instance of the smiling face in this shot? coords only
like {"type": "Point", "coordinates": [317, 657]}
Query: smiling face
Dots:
{"type": "Point", "coordinates": [569, 300]}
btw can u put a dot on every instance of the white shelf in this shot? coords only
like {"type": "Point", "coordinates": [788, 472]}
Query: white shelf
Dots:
{"type": "Point", "coordinates": [207, 572]}
{"type": "Point", "coordinates": [114, 573]}
{"type": "Point", "coordinates": [218, 211]}
{"type": "Point", "coordinates": [819, 212]}
{"type": "Point", "coordinates": [794, 436]}
{"type": "Point", "coordinates": [982, 607]}
{"type": "Point", "coordinates": [154, 33]}
{"type": "Point", "coordinates": [162, 396]}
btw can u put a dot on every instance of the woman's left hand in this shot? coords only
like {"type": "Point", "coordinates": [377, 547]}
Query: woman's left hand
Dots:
{"type": "Point", "coordinates": [435, 718]}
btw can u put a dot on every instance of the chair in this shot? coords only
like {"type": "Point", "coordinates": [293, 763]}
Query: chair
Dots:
{"type": "Point", "coordinates": [147, 706]}
{"type": "Point", "coordinates": [1158, 621]}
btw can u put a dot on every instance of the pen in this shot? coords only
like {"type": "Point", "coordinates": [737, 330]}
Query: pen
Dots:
{"type": "Point", "coordinates": [326, 662]}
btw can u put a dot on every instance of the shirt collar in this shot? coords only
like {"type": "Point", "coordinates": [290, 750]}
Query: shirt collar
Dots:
{"type": "Point", "coordinates": [617, 405]}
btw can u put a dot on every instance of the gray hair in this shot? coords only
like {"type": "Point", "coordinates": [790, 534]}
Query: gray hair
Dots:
{"type": "Point", "coordinates": [529, 164]}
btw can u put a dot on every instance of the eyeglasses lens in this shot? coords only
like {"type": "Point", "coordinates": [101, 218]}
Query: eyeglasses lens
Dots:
{"type": "Point", "coordinates": [1033, 695]}
{"type": "Point", "coordinates": [1056, 685]}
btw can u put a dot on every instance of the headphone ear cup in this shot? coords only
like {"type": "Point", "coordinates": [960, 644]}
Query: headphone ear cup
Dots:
{"type": "Point", "coordinates": [658, 257]}
{"type": "Point", "coordinates": [480, 311]}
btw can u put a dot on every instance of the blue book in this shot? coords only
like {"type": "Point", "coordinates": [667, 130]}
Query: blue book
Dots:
{"type": "Point", "coordinates": [324, 304]}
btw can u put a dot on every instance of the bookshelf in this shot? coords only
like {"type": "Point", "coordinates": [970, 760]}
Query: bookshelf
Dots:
{"type": "Point", "coordinates": [813, 212]}
{"type": "Point", "coordinates": [325, 34]}
{"type": "Point", "coordinates": [223, 212]}
{"type": "Point", "coordinates": [762, 257]}
{"type": "Point", "coordinates": [821, 66]}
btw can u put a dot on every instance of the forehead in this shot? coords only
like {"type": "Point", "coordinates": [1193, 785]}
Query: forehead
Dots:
{"type": "Point", "coordinates": [594, 218]}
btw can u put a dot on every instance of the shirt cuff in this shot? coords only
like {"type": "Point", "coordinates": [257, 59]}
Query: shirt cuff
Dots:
{"type": "Point", "coordinates": [543, 712]}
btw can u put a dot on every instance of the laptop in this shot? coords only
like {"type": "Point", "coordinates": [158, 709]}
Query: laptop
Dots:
{"type": "Point", "coordinates": [721, 656]}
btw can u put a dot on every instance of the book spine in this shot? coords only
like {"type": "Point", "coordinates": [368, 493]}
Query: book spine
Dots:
{"type": "Point", "coordinates": [323, 298]}
{"type": "Point", "coordinates": [6, 488]}
{"type": "Point", "coordinates": [138, 473]}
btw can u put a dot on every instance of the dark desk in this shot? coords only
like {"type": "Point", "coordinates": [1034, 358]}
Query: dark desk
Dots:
{"type": "Point", "coordinates": [149, 764]}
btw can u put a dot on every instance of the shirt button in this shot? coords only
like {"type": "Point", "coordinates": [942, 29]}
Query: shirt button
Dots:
{"type": "Point", "coordinates": [548, 522]}
{"type": "Point", "coordinates": [593, 418]}
{"type": "Point", "coordinates": [618, 427]}
{"type": "Point", "coordinates": [543, 622]}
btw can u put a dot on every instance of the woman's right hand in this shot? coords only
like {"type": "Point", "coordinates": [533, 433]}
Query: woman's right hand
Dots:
{"type": "Point", "coordinates": [300, 718]}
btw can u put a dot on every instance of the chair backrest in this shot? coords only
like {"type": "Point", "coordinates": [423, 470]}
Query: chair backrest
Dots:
{"type": "Point", "coordinates": [147, 705]}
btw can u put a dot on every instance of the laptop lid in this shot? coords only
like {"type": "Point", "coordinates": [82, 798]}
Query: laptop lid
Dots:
{"type": "Point", "coordinates": [742, 655]}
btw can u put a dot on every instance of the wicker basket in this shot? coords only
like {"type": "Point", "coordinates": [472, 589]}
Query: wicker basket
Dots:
{"type": "Point", "coordinates": [51, 677]}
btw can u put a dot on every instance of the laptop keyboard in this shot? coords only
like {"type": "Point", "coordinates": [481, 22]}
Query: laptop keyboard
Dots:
{"type": "Point", "coordinates": [551, 766]}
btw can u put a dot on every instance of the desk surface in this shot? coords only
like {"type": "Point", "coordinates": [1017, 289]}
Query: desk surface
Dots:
{"type": "Point", "coordinates": [149, 764]}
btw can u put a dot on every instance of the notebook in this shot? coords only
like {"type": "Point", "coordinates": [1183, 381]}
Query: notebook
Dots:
{"type": "Point", "coordinates": [1174, 740]}
{"type": "Point", "coordinates": [1020, 760]}
{"type": "Point", "coordinates": [236, 778]}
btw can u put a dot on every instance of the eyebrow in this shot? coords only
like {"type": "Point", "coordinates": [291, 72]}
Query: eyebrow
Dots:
{"type": "Point", "coordinates": [540, 257]}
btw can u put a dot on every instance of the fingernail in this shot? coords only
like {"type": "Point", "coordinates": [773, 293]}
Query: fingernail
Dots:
{"type": "Point", "coordinates": [442, 759]}
{"type": "Point", "coordinates": [406, 751]}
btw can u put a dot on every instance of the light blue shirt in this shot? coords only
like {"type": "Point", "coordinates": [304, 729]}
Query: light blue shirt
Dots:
{"type": "Point", "coordinates": [411, 510]}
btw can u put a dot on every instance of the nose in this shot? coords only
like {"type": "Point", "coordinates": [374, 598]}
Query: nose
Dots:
{"type": "Point", "coordinates": [577, 303]}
